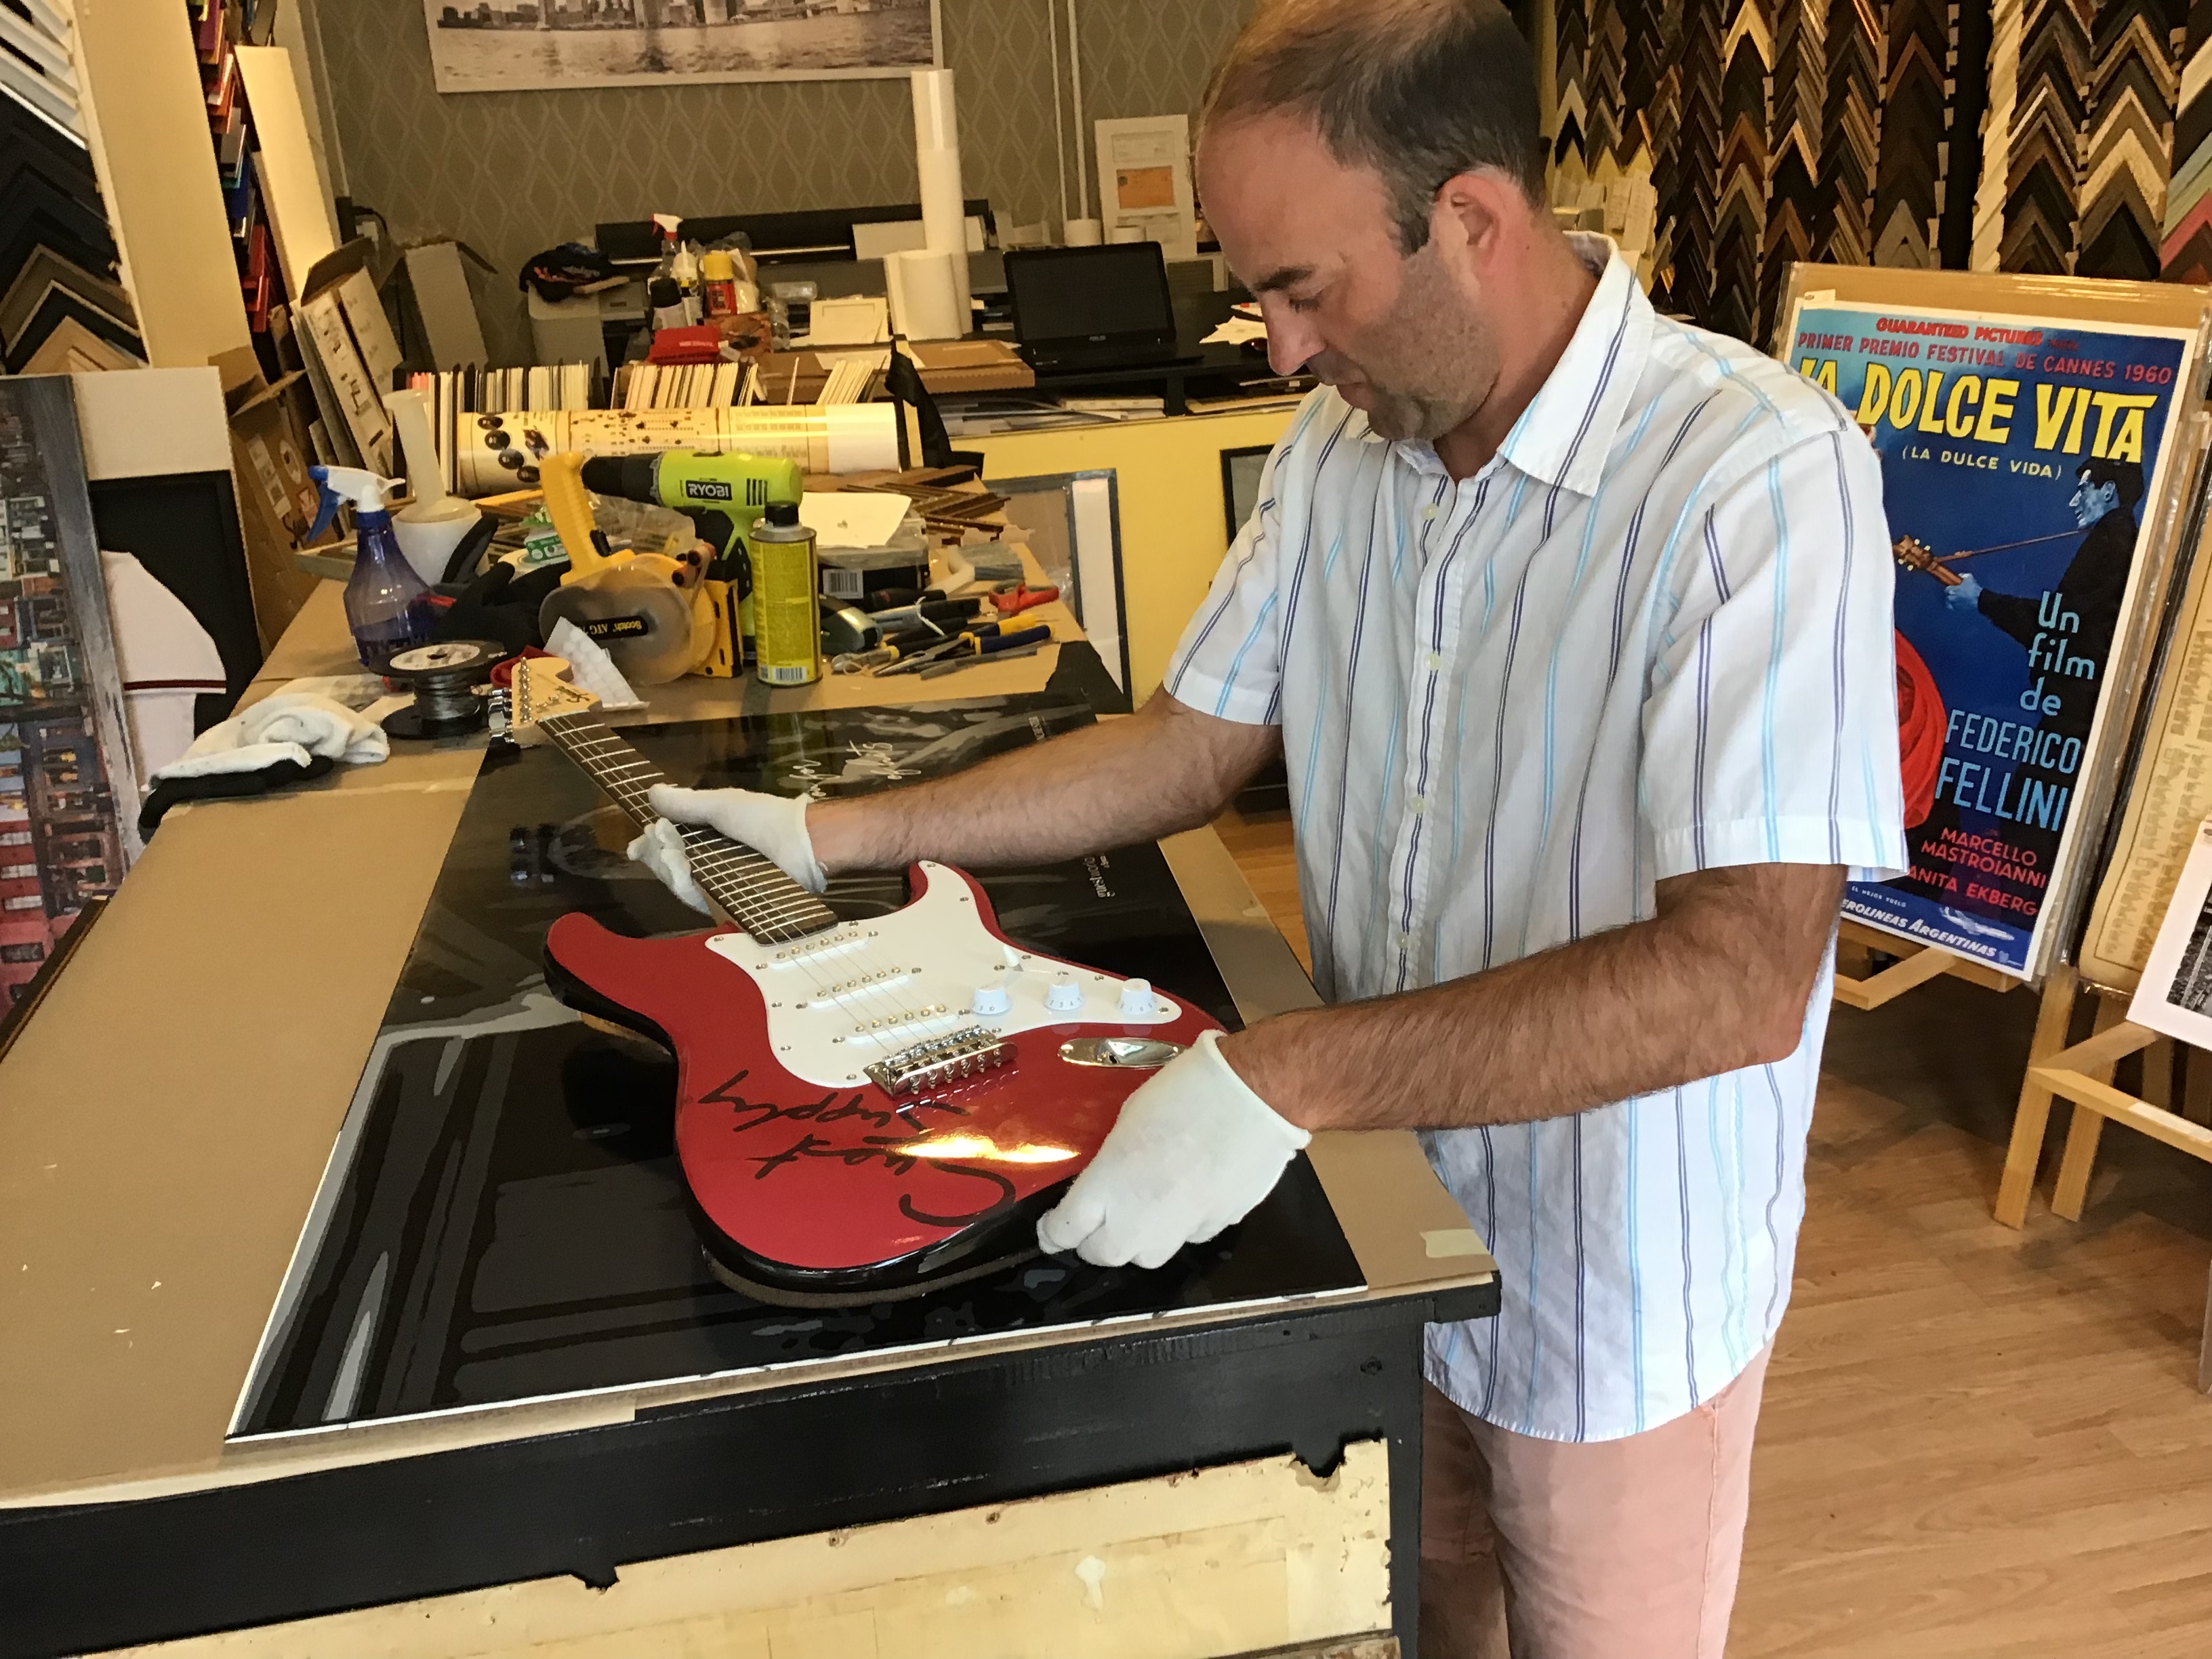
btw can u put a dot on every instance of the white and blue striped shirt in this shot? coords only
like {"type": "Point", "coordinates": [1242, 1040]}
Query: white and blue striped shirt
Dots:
{"type": "Point", "coordinates": [1652, 636]}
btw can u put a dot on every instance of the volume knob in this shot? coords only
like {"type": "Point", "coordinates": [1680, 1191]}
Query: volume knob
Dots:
{"type": "Point", "coordinates": [1137, 1001]}
{"type": "Point", "coordinates": [1063, 995]}
{"type": "Point", "coordinates": [988, 1000]}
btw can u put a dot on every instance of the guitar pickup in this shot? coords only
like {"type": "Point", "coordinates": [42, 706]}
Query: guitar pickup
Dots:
{"type": "Point", "coordinates": [944, 1059]}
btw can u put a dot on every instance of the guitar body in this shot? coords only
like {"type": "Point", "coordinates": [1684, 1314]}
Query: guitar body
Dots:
{"type": "Point", "coordinates": [813, 1181]}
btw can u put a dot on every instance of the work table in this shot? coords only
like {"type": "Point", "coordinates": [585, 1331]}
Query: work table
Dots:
{"type": "Point", "coordinates": [166, 1114]}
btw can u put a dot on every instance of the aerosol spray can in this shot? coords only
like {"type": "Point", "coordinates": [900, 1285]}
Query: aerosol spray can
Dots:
{"type": "Point", "coordinates": [786, 599]}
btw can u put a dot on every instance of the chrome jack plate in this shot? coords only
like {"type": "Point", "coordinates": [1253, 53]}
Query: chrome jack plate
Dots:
{"type": "Point", "coordinates": [1132, 1053]}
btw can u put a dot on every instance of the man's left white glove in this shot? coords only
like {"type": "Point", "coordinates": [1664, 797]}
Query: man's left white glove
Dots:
{"type": "Point", "coordinates": [1195, 1151]}
{"type": "Point", "coordinates": [773, 826]}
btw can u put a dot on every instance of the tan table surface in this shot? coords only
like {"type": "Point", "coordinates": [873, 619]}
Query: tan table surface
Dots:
{"type": "Point", "coordinates": [165, 1116]}
{"type": "Point", "coordinates": [317, 644]}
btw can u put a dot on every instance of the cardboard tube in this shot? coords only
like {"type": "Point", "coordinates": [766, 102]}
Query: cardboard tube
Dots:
{"type": "Point", "coordinates": [1081, 233]}
{"type": "Point", "coordinates": [935, 123]}
{"type": "Point", "coordinates": [937, 162]}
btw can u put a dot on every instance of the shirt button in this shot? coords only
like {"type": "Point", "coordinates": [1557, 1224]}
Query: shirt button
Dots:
{"type": "Point", "coordinates": [1429, 514]}
{"type": "Point", "coordinates": [1434, 661]}
{"type": "Point", "coordinates": [1405, 941]}
{"type": "Point", "coordinates": [1420, 803]}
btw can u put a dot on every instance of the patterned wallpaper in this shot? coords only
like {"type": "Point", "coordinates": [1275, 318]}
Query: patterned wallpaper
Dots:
{"type": "Point", "coordinates": [511, 173]}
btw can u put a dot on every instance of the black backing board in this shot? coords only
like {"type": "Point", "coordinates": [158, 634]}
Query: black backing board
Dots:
{"type": "Point", "coordinates": [504, 1221]}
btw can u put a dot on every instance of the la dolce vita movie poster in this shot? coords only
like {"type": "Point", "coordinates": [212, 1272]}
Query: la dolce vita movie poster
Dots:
{"type": "Point", "coordinates": [2019, 459]}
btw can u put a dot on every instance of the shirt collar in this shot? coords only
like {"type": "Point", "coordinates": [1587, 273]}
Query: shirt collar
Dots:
{"type": "Point", "coordinates": [1564, 435]}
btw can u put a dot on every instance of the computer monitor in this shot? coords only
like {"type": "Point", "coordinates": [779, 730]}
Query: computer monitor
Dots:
{"type": "Point", "coordinates": [1081, 300]}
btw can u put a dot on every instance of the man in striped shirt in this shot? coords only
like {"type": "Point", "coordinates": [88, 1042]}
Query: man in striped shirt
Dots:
{"type": "Point", "coordinates": [1572, 626]}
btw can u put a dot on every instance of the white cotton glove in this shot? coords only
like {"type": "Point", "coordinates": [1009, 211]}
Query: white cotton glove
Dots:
{"type": "Point", "coordinates": [775, 826]}
{"type": "Point", "coordinates": [285, 727]}
{"type": "Point", "coordinates": [1195, 1151]}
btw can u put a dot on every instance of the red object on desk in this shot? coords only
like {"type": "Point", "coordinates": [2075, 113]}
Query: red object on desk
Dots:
{"type": "Point", "coordinates": [702, 344]}
{"type": "Point", "coordinates": [1024, 598]}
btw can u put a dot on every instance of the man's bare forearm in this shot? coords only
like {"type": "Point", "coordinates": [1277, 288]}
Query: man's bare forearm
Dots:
{"type": "Point", "coordinates": [1717, 981]}
{"type": "Point", "coordinates": [1164, 769]}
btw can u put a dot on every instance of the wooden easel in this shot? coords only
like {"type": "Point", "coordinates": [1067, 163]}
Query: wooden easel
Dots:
{"type": "Point", "coordinates": [1916, 965]}
{"type": "Point", "coordinates": [2082, 1075]}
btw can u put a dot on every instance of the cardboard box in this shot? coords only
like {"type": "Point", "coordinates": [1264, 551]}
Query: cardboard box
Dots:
{"type": "Point", "coordinates": [276, 498]}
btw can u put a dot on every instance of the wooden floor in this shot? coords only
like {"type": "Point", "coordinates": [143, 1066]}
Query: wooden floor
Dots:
{"type": "Point", "coordinates": [1976, 1442]}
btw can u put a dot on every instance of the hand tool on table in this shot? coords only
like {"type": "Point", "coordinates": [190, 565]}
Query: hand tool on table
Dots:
{"type": "Point", "coordinates": [953, 665]}
{"type": "Point", "coordinates": [936, 612]}
{"type": "Point", "coordinates": [985, 639]}
{"type": "Point", "coordinates": [1024, 598]}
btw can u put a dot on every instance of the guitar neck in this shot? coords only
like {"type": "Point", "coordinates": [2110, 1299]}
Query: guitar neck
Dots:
{"type": "Point", "coordinates": [756, 895]}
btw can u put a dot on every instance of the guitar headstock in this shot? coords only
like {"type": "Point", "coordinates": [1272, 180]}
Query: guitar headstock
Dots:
{"type": "Point", "coordinates": [540, 690]}
{"type": "Point", "coordinates": [1913, 554]}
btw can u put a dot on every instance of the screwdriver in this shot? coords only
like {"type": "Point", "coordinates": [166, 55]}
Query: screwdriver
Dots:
{"type": "Point", "coordinates": [953, 665]}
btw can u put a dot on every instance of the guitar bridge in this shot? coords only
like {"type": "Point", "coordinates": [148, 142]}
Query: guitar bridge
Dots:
{"type": "Point", "coordinates": [942, 1060]}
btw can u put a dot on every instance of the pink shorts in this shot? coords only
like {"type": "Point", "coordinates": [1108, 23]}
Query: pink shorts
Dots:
{"type": "Point", "coordinates": [1601, 1549]}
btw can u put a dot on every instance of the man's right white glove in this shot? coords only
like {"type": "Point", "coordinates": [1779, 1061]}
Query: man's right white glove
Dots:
{"type": "Point", "coordinates": [775, 826]}
{"type": "Point", "coordinates": [1193, 1151]}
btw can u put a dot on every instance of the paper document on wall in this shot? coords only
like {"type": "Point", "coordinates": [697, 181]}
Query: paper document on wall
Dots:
{"type": "Point", "coordinates": [1144, 181]}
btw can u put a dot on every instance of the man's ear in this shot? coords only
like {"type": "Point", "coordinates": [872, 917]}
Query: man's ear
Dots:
{"type": "Point", "coordinates": [1475, 207]}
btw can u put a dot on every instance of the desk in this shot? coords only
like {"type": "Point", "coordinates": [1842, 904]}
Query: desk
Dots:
{"type": "Point", "coordinates": [1223, 369]}
{"type": "Point", "coordinates": [164, 1121]}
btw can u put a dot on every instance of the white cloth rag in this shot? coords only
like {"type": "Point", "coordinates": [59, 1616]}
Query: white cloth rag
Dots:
{"type": "Point", "coordinates": [285, 727]}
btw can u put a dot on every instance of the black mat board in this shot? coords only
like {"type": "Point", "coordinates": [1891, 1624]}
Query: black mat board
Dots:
{"type": "Point", "coordinates": [509, 1224]}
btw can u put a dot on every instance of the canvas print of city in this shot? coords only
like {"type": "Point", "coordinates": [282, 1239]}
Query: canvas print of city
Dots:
{"type": "Point", "coordinates": [61, 841]}
{"type": "Point", "coordinates": [512, 45]}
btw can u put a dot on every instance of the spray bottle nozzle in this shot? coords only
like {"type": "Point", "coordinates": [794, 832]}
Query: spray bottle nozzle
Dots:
{"type": "Point", "coordinates": [365, 491]}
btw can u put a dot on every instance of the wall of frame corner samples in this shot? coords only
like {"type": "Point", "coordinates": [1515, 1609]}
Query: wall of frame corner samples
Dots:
{"type": "Point", "coordinates": [2036, 137]}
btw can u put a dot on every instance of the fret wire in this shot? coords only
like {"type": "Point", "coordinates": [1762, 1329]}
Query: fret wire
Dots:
{"type": "Point", "coordinates": [764, 903]}
{"type": "Point", "coordinates": [748, 885]}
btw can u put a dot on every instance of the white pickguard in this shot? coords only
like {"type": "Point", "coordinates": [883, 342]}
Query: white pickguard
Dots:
{"type": "Point", "coordinates": [841, 1000]}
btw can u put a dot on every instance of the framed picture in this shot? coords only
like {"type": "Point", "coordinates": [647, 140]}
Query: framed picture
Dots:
{"type": "Point", "coordinates": [1074, 525]}
{"type": "Point", "coordinates": [69, 790]}
{"type": "Point", "coordinates": [1144, 182]}
{"type": "Point", "coordinates": [520, 45]}
{"type": "Point", "coordinates": [2037, 439]}
{"type": "Point", "coordinates": [1240, 483]}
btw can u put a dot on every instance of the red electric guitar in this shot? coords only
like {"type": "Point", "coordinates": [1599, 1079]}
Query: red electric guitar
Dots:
{"type": "Point", "coordinates": [866, 1109]}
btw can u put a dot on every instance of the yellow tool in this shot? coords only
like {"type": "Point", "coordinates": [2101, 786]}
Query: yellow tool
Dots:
{"type": "Point", "coordinates": [630, 603]}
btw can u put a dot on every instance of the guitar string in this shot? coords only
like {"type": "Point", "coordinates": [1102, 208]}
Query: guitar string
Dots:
{"type": "Point", "coordinates": [770, 906]}
{"type": "Point", "coordinates": [765, 901]}
{"type": "Point", "coordinates": [769, 903]}
{"type": "Point", "coordinates": [764, 906]}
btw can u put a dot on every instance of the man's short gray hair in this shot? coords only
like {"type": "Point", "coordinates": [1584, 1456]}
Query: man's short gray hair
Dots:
{"type": "Point", "coordinates": [1417, 90]}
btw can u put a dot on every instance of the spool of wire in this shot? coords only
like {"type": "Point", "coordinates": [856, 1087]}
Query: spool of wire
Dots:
{"type": "Point", "coordinates": [449, 680]}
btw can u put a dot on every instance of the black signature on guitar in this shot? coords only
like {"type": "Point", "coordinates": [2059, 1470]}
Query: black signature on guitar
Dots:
{"type": "Point", "coordinates": [824, 1110]}
{"type": "Point", "coordinates": [886, 1148]}
{"type": "Point", "coordinates": [753, 1114]}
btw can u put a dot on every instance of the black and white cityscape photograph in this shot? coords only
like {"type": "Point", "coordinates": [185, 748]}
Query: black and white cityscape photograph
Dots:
{"type": "Point", "coordinates": [517, 45]}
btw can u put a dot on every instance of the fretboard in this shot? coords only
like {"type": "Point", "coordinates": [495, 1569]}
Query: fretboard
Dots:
{"type": "Point", "coordinates": [756, 895]}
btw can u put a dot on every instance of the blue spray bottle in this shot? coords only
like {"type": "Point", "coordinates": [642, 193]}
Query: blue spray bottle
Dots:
{"type": "Point", "coordinates": [387, 605]}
